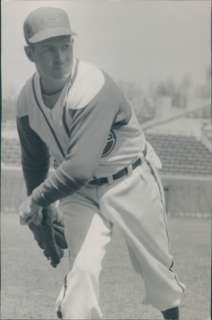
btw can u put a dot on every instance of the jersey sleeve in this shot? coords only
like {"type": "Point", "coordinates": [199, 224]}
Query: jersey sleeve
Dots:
{"type": "Point", "coordinates": [89, 132]}
{"type": "Point", "coordinates": [34, 155]}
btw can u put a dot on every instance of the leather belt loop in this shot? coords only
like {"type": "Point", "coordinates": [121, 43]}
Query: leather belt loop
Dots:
{"type": "Point", "coordinates": [130, 169]}
{"type": "Point", "coordinates": [110, 179]}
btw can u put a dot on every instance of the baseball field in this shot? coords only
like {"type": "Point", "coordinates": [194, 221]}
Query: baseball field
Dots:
{"type": "Point", "coordinates": [30, 286]}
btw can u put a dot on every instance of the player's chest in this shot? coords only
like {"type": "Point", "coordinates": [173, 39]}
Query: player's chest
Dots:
{"type": "Point", "coordinates": [52, 126]}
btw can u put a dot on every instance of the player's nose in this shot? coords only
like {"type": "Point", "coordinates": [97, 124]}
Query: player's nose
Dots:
{"type": "Point", "coordinates": [59, 56]}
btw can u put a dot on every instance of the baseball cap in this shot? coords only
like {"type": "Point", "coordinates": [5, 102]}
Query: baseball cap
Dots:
{"type": "Point", "coordinates": [45, 23]}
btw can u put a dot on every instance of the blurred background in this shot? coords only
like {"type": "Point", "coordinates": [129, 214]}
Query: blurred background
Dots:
{"type": "Point", "coordinates": [159, 54]}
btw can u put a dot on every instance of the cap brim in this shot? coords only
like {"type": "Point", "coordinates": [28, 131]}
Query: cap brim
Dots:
{"type": "Point", "coordinates": [50, 33]}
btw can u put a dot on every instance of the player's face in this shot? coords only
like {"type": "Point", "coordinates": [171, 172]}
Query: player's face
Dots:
{"type": "Point", "coordinates": [53, 57]}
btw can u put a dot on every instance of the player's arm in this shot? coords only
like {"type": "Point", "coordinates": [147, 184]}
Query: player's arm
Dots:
{"type": "Point", "coordinates": [45, 225]}
{"type": "Point", "coordinates": [34, 155]}
{"type": "Point", "coordinates": [90, 129]}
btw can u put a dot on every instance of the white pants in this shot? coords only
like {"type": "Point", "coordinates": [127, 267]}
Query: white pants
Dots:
{"type": "Point", "coordinates": [134, 203]}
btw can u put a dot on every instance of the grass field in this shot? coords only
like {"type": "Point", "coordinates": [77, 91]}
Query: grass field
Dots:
{"type": "Point", "coordinates": [30, 287]}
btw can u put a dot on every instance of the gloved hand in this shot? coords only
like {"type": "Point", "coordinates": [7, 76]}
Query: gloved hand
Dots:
{"type": "Point", "coordinates": [47, 227]}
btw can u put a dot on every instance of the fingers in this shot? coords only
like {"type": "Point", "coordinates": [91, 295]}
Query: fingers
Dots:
{"type": "Point", "coordinates": [50, 237]}
{"type": "Point", "coordinates": [58, 228]}
{"type": "Point", "coordinates": [29, 212]}
{"type": "Point", "coordinates": [61, 241]}
{"type": "Point", "coordinates": [55, 214]}
{"type": "Point", "coordinates": [30, 217]}
{"type": "Point", "coordinates": [37, 218]}
{"type": "Point", "coordinates": [25, 215]}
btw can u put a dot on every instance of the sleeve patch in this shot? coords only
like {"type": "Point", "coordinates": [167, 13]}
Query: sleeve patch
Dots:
{"type": "Point", "coordinates": [110, 145]}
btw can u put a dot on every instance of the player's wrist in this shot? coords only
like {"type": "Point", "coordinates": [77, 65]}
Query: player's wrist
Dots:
{"type": "Point", "coordinates": [39, 198]}
{"type": "Point", "coordinates": [34, 204]}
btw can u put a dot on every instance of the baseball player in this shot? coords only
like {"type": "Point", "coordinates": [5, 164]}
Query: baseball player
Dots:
{"type": "Point", "coordinates": [105, 173]}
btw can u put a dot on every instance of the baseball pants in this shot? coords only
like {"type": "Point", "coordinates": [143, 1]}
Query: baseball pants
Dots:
{"type": "Point", "coordinates": [135, 204]}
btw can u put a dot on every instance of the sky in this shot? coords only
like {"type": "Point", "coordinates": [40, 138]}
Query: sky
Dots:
{"type": "Point", "coordinates": [140, 41]}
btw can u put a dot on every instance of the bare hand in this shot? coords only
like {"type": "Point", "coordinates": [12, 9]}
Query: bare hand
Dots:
{"type": "Point", "coordinates": [29, 211]}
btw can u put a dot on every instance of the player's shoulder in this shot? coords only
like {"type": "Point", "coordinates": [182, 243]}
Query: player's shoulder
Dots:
{"type": "Point", "coordinates": [94, 75]}
{"type": "Point", "coordinates": [90, 82]}
{"type": "Point", "coordinates": [23, 98]}
{"type": "Point", "coordinates": [88, 68]}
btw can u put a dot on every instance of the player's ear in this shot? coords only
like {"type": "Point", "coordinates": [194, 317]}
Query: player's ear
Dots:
{"type": "Point", "coordinates": [29, 53]}
{"type": "Point", "coordinates": [72, 41]}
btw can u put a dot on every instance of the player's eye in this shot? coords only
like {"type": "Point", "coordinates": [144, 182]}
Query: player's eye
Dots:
{"type": "Point", "coordinates": [46, 49]}
{"type": "Point", "coordinates": [66, 46]}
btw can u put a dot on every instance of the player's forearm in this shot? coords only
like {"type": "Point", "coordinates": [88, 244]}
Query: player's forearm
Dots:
{"type": "Point", "coordinates": [74, 172]}
{"type": "Point", "coordinates": [34, 176]}
{"type": "Point", "coordinates": [57, 186]}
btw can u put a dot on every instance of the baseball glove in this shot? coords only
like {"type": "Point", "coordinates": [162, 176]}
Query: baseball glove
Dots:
{"type": "Point", "coordinates": [49, 234]}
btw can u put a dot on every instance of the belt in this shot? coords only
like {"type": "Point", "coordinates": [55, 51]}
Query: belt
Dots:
{"type": "Point", "coordinates": [117, 175]}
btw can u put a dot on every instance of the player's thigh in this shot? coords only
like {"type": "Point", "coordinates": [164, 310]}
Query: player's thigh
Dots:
{"type": "Point", "coordinates": [87, 233]}
{"type": "Point", "coordinates": [135, 205]}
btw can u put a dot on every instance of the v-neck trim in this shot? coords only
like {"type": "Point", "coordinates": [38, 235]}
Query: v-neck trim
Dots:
{"type": "Point", "coordinates": [46, 117]}
{"type": "Point", "coordinates": [48, 113]}
{"type": "Point", "coordinates": [40, 97]}
{"type": "Point", "coordinates": [68, 84]}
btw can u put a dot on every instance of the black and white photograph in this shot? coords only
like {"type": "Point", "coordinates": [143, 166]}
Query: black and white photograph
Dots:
{"type": "Point", "coordinates": [106, 159]}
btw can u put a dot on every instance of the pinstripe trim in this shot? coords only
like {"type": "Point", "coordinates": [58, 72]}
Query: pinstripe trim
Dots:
{"type": "Point", "coordinates": [171, 266]}
{"type": "Point", "coordinates": [64, 122]}
{"type": "Point", "coordinates": [59, 311]}
{"type": "Point", "coordinates": [64, 108]}
{"type": "Point", "coordinates": [175, 276]}
{"type": "Point", "coordinates": [46, 119]}
{"type": "Point", "coordinates": [179, 284]}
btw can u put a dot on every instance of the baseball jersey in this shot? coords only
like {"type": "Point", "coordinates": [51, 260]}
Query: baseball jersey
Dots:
{"type": "Point", "coordinates": [91, 131]}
